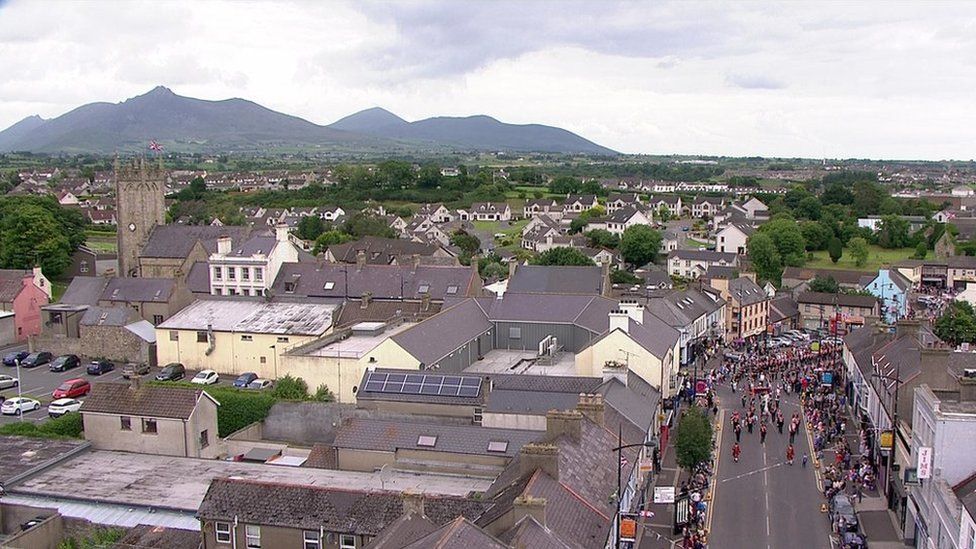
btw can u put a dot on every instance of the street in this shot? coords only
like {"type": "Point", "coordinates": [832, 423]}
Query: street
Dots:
{"type": "Point", "coordinates": [761, 502]}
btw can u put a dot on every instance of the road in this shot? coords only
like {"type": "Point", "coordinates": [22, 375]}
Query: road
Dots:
{"type": "Point", "coordinates": [761, 502]}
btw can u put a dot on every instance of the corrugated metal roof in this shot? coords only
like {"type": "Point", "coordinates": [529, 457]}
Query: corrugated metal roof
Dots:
{"type": "Point", "coordinates": [109, 514]}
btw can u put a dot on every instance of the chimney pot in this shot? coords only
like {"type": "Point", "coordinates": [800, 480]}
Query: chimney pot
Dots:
{"type": "Point", "coordinates": [413, 502]}
{"type": "Point", "coordinates": [223, 245]}
{"type": "Point", "coordinates": [530, 506]}
{"type": "Point", "coordinates": [539, 456]}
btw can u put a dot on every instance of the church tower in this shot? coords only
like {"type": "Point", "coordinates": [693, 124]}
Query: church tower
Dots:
{"type": "Point", "coordinates": [139, 188]}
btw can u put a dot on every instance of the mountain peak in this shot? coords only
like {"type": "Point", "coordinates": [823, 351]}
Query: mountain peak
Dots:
{"type": "Point", "coordinates": [369, 120]}
{"type": "Point", "coordinates": [160, 90]}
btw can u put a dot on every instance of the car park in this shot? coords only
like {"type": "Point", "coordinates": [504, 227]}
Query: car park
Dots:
{"type": "Point", "coordinates": [260, 384]}
{"type": "Point", "coordinates": [173, 371]}
{"type": "Point", "coordinates": [205, 377]}
{"type": "Point", "coordinates": [63, 406]}
{"type": "Point", "coordinates": [18, 405]}
{"type": "Point", "coordinates": [244, 380]}
{"type": "Point", "coordinates": [99, 367]}
{"type": "Point", "coordinates": [135, 370]}
{"type": "Point", "coordinates": [34, 360]}
{"type": "Point", "coordinates": [7, 382]}
{"type": "Point", "coordinates": [72, 388]}
{"type": "Point", "coordinates": [11, 359]}
{"type": "Point", "coordinates": [64, 363]}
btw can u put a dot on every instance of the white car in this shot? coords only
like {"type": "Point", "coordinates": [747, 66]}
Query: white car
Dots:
{"type": "Point", "coordinates": [260, 384]}
{"type": "Point", "coordinates": [18, 405]}
{"type": "Point", "coordinates": [205, 377]}
{"type": "Point", "coordinates": [62, 406]}
{"type": "Point", "coordinates": [7, 382]}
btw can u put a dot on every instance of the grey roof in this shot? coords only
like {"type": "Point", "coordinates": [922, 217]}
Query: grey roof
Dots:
{"type": "Point", "coordinates": [84, 290]}
{"type": "Point", "coordinates": [379, 251]}
{"type": "Point", "coordinates": [138, 289]}
{"type": "Point", "coordinates": [842, 276]}
{"type": "Point", "coordinates": [781, 308]}
{"type": "Point", "coordinates": [383, 281]}
{"type": "Point", "coordinates": [962, 262]}
{"type": "Point", "coordinates": [253, 317]}
{"type": "Point", "coordinates": [405, 530]}
{"type": "Point", "coordinates": [654, 335]}
{"type": "Point", "coordinates": [725, 272]}
{"type": "Point", "coordinates": [21, 455]}
{"type": "Point", "coordinates": [966, 492]}
{"type": "Point", "coordinates": [703, 255]}
{"type": "Point", "coordinates": [443, 333]}
{"type": "Point", "coordinates": [120, 315]}
{"type": "Point", "coordinates": [844, 300]}
{"type": "Point", "coordinates": [529, 533]}
{"type": "Point", "coordinates": [588, 312]}
{"type": "Point", "coordinates": [169, 401]}
{"type": "Point", "coordinates": [544, 384]}
{"type": "Point", "coordinates": [502, 401]}
{"type": "Point", "coordinates": [637, 409]}
{"type": "Point", "coordinates": [176, 241]}
{"type": "Point", "coordinates": [365, 394]}
{"type": "Point", "coordinates": [548, 279]}
{"type": "Point", "coordinates": [147, 536]}
{"type": "Point", "coordinates": [746, 291]}
{"type": "Point", "coordinates": [390, 435]}
{"type": "Point", "coordinates": [623, 214]}
{"type": "Point", "coordinates": [258, 244]}
{"type": "Point", "coordinates": [198, 279]}
{"type": "Point", "coordinates": [461, 532]}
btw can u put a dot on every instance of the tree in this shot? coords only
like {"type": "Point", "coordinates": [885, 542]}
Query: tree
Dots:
{"type": "Point", "coordinates": [893, 232]}
{"type": "Point", "coordinates": [788, 239]}
{"type": "Point", "coordinates": [565, 185]}
{"type": "Point", "coordinates": [808, 208]}
{"type": "Point", "coordinates": [30, 235]}
{"type": "Point", "coordinates": [815, 235]}
{"type": "Point", "coordinates": [618, 276]}
{"type": "Point", "coordinates": [859, 250]}
{"type": "Point", "coordinates": [921, 250]}
{"type": "Point", "coordinates": [330, 238]}
{"type": "Point", "coordinates": [602, 238]}
{"type": "Point", "coordinates": [958, 324]}
{"type": "Point", "coordinates": [196, 190]}
{"type": "Point", "coordinates": [429, 177]}
{"type": "Point", "coordinates": [290, 388]}
{"type": "Point", "coordinates": [664, 214]}
{"type": "Point", "coordinates": [824, 285]}
{"type": "Point", "coordinates": [310, 227]}
{"type": "Point", "coordinates": [693, 440]}
{"type": "Point", "coordinates": [835, 248]}
{"type": "Point", "coordinates": [360, 225]}
{"type": "Point", "coordinates": [562, 255]}
{"type": "Point", "coordinates": [469, 243]}
{"type": "Point", "coordinates": [639, 244]}
{"type": "Point", "coordinates": [765, 258]}
{"type": "Point", "coordinates": [837, 193]}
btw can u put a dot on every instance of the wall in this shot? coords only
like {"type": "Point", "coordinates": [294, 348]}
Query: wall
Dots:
{"type": "Point", "coordinates": [27, 310]}
{"type": "Point", "coordinates": [619, 347]}
{"type": "Point", "coordinates": [105, 433]}
{"type": "Point", "coordinates": [570, 337]}
{"type": "Point", "coordinates": [46, 535]}
{"type": "Point", "coordinates": [231, 355]}
{"type": "Point", "coordinates": [204, 417]}
{"type": "Point", "coordinates": [514, 421]}
{"type": "Point", "coordinates": [271, 536]}
{"type": "Point", "coordinates": [8, 330]}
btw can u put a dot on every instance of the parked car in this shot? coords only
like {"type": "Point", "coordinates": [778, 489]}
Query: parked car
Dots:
{"type": "Point", "coordinates": [62, 406]}
{"type": "Point", "coordinates": [34, 360]}
{"type": "Point", "coordinates": [32, 523]}
{"type": "Point", "coordinates": [173, 371]}
{"type": "Point", "coordinates": [7, 382]}
{"type": "Point", "coordinates": [18, 405]}
{"type": "Point", "coordinates": [842, 510]}
{"type": "Point", "coordinates": [131, 369]}
{"type": "Point", "coordinates": [99, 367]}
{"type": "Point", "coordinates": [205, 377]}
{"type": "Point", "coordinates": [72, 388]}
{"type": "Point", "coordinates": [731, 355]}
{"type": "Point", "coordinates": [260, 384]}
{"type": "Point", "coordinates": [64, 363]}
{"type": "Point", "coordinates": [244, 380]}
{"type": "Point", "coordinates": [11, 359]}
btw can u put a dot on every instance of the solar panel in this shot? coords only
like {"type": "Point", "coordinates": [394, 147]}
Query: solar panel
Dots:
{"type": "Point", "coordinates": [471, 381]}
{"type": "Point", "coordinates": [468, 391]}
{"type": "Point", "coordinates": [415, 378]}
{"type": "Point", "coordinates": [428, 389]}
{"type": "Point", "coordinates": [411, 388]}
{"type": "Point", "coordinates": [423, 384]}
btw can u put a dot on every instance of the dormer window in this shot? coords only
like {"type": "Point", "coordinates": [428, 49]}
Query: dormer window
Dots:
{"type": "Point", "coordinates": [289, 287]}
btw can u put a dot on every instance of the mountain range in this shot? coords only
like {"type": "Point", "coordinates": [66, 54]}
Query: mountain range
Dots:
{"type": "Point", "coordinates": [187, 124]}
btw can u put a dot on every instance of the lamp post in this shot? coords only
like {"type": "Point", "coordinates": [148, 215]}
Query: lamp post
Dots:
{"type": "Point", "coordinates": [619, 450]}
{"type": "Point", "coordinates": [274, 352]}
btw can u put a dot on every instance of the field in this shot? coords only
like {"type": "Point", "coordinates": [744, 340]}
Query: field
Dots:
{"type": "Point", "coordinates": [877, 258]}
{"type": "Point", "coordinates": [101, 241]}
{"type": "Point", "coordinates": [511, 230]}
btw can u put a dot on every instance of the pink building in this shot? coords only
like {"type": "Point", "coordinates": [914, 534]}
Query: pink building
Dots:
{"type": "Point", "coordinates": [20, 294]}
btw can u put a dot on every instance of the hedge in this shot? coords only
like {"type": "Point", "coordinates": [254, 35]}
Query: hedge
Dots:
{"type": "Point", "coordinates": [67, 426]}
{"type": "Point", "coordinates": [238, 408]}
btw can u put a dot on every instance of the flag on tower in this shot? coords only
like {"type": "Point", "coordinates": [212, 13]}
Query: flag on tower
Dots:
{"type": "Point", "coordinates": [155, 146]}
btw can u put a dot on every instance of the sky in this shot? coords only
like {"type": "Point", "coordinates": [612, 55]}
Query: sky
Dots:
{"type": "Point", "coordinates": [824, 79]}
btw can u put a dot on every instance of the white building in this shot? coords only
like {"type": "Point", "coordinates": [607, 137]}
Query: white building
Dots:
{"type": "Point", "coordinates": [732, 238]}
{"type": "Point", "coordinates": [252, 268]}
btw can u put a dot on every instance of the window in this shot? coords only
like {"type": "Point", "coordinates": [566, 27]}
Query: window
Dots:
{"type": "Point", "coordinates": [245, 273]}
{"type": "Point", "coordinates": [477, 416]}
{"type": "Point", "coordinates": [149, 426]}
{"type": "Point", "coordinates": [264, 360]}
{"type": "Point", "coordinates": [328, 285]}
{"type": "Point", "coordinates": [515, 333]}
{"type": "Point", "coordinates": [231, 291]}
{"type": "Point", "coordinates": [201, 337]}
{"type": "Point", "coordinates": [312, 539]}
{"type": "Point", "coordinates": [427, 441]}
{"type": "Point", "coordinates": [451, 290]}
{"type": "Point", "coordinates": [282, 339]}
{"type": "Point", "coordinates": [174, 335]}
{"type": "Point", "coordinates": [497, 446]}
{"type": "Point", "coordinates": [289, 287]}
{"type": "Point", "coordinates": [252, 535]}
{"type": "Point", "coordinates": [423, 289]}
{"type": "Point", "coordinates": [247, 338]}
{"type": "Point", "coordinates": [222, 530]}
{"type": "Point", "coordinates": [258, 274]}
{"type": "Point", "coordinates": [84, 267]}
{"type": "Point", "coordinates": [126, 423]}
{"type": "Point", "coordinates": [157, 320]}
{"type": "Point", "coordinates": [204, 438]}
{"type": "Point", "coordinates": [347, 542]}
{"type": "Point", "coordinates": [217, 273]}
{"type": "Point", "coordinates": [231, 273]}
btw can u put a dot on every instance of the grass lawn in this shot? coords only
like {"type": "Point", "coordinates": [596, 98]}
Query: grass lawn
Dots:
{"type": "Point", "coordinates": [58, 288]}
{"type": "Point", "coordinates": [876, 259]}
{"type": "Point", "coordinates": [699, 243]}
{"type": "Point", "coordinates": [511, 229]}
{"type": "Point", "coordinates": [101, 241]}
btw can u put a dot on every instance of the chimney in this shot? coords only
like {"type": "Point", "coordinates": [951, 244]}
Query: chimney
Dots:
{"type": "Point", "coordinates": [425, 301]}
{"type": "Point", "coordinates": [223, 245]}
{"type": "Point", "coordinates": [413, 502]}
{"type": "Point", "coordinates": [360, 259]}
{"type": "Point", "coordinates": [281, 233]}
{"type": "Point", "coordinates": [906, 328]}
{"type": "Point", "coordinates": [560, 423]}
{"type": "Point", "coordinates": [533, 457]}
{"type": "Point", "coordinates": [512, 265]}
{"type": "Point", "coordinates": [619, 319]}
{"type": "Point", "coordinates": [592, 407]}
{"type": "Point", "coordinates": [135, 382]}
{"type": "Point", "coordinates": [37, 272]}
{"type": "Point", "coordinates": [524, 506]}
{"type": "Point", "coordinates": [607, 285]}
{"type": "Point", "coordinates": [415, 261]}
{"type": "Point", "coordinates": [367, 297]}
{"type": "Point", "coordinates": [633, 309]}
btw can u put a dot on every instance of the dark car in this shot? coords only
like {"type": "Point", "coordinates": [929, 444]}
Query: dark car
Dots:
{"type": "Point", "coordinates": [842, 516]}
{"type": "Point", "coordinates": [34, 360]}
{"type": "Point", "coordinates": [171, 372]}
{"type": "Point", "coordinates": [245, 379]}
{"type": "Point", "coordinates": [11, 359]}
{"type": "Point", "coordinates": [65, 362]}
{"type": "Point", "coordinates": [99, 367]}
{"type": "Point", "coordinates": [135, 370]}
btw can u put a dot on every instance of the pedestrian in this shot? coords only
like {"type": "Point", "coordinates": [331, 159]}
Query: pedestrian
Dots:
{"type": "Point", "coordinates": [804, 459]}
{"type": "Point", "coordinates": [737, 428]}
{"type": "Point", "coordinates": [762, 434]}
{"type": "Point", "coordinates": [735, 452]}
{"type": "Point", "coordinates": [779, 423]}
{"type": "Point", "coordinates": [789, 454]}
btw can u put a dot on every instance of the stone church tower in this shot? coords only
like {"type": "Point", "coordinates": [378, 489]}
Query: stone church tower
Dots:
{"type": "Point", "coordinates": [139, 189]}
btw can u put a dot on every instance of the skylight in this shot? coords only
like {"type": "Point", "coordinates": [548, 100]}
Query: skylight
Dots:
{"type": "Point", "coordinates": [329, 285]}
{"type": "Point", "coordinates": [423, 289]}
{"type": "Point", "coordinates": [451, 290]}
{"type": "Point", "coordinates": [498, 446]}
{"type": "Point", "coordinates": [426, 441]}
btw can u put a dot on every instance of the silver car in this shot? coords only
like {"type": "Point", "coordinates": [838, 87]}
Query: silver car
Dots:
{"type": "Point", "coordinates": [7, 382]}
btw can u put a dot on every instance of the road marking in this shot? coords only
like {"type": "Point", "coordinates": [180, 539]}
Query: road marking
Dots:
{"type": "Point", "coordinates": [766, 493]}
{"type": "Point", "coordinates": [757, 471]}
{"type": "Point", "coordinates": [718, 461]}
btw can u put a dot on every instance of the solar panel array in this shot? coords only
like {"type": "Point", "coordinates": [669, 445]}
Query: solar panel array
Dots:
{"type": "Point", "coordinates": [423, 384]}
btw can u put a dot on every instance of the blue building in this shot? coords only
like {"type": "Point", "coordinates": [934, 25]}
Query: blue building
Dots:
{"type": "Point", "coordinates": [891, 288]}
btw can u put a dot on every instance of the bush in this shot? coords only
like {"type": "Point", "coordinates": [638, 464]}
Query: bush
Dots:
{"type": "Point", "coordinates": [68, 425]}
{"type": "Point", "coordinates": [93, 539]}
{"type": "Point", "coordinates": [238, 408]}
{"type": "Point", "coordinates": [324, 394]}
{"type": "Point", "coordinates": [290, 388]}
{"type": "Point", "coordinates": [693, 440]}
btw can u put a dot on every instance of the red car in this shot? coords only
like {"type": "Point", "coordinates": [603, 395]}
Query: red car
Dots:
{"type": "Point", "coordinates": [73, 388]}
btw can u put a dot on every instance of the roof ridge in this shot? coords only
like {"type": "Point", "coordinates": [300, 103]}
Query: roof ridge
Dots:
{"type": "Point", "coordinates": [582, 499]}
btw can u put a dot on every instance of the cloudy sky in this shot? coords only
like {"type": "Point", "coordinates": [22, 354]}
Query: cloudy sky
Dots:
{"type": "Point", "coordinates": [827, 79]}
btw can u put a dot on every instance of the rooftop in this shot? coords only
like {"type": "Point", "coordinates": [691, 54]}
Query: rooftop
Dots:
{"type": "Point", "coordinates": [502, 361]}
{"type": "Point", "coordinates": [21, 455]}
{"type": "Point", "coordinates": [253, 317]}
{"type": "Point", "coordinates": [148, 400]}
{"type": "Point", "coordinates": [357, 344]}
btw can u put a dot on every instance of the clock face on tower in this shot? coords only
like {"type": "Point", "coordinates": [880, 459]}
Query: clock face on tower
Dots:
{"type": "Point", "coordinates": [132, 226]}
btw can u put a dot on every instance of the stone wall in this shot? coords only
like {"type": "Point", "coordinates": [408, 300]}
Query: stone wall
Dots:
{"type": "Point", "coordinates": [111, 342]}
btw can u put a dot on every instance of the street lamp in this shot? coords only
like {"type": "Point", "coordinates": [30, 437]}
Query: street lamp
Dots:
{"type": "Point", "coordinates": [619, 450]}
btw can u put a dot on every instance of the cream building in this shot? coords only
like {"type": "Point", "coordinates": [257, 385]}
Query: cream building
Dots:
{"type": "Point", "coordinates": [252, 268]}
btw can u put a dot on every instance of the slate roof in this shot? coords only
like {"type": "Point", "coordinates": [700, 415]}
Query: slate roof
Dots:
{"type": "Point", "coordinates": [312, 507]}
{"type": "Point", "coordinates": [844, 300]}
{"type": "Point", "coordinates": [119, 315]}
{"type": "Point", "coordinates": [842, 276]}
{"type": "Point", "coordinates": [502, 401]}
{"type": "Point", "coordinates": [966, 492]}
{"type": "Point", "coordinates": [383, 281]}
{"type": "Point", "coordinates": [458, 533]}
{"type": "Point", "coordinates": [443, 333]}
{"type": "Point", "coordinates": [391, 435]}
{"type": "Point", "coordinates": [10, 288]}
{"type": "Point", "coordinates": [176, 241]}
{"type": "Point", "coordinates": [529, 533]}
{"type": "Point", "coordinates": [379, 251]}
{"type": "Point", "coordinates": [703, 255]}
{"type": "Point", "coordinates": [382, 311]}
{"type": "Point", "coordinates": [148, 400]}
{"type": "Point", "coordinates": [720, 271]}
{"type": "Point", "coordinates": [548, 279]}
{"type": "Point", "coordinates": [638, 410]}
{"type": "Point", "coordinates": [590, 312]}
{"type": "Point", "coordinates": [146, 536]}
{"type": "Point", "coordinates": [85, 290]}
{"type": "Point", "coordinates": [962, 262]}
{"type": "Point", "coordinates": [138, 289]}
{"type": "Point", "coordinates": [405, 530]}
{"type": "Point", "coordinates": [781, 308]}
{"type": "Point", "coordinates": [746, 291]}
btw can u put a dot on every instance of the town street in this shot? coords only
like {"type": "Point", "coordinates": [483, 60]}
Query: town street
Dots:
{"type": "Point", "coordinates": [761, 502]}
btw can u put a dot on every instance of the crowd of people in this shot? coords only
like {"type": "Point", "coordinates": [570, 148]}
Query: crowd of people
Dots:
{"type": "Point", "coordinates": [694, 535]}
